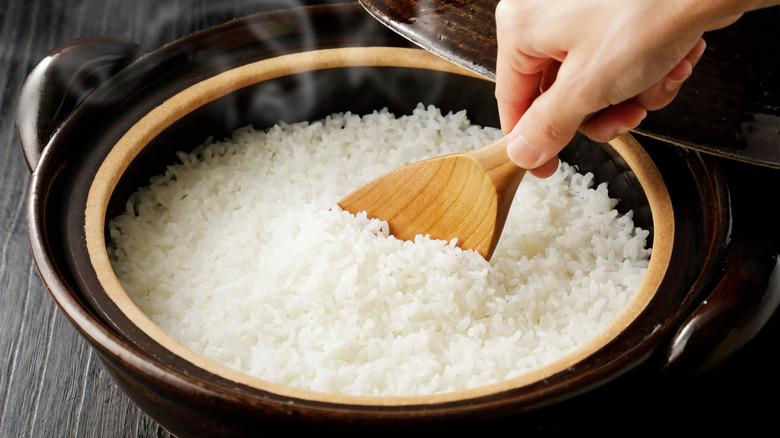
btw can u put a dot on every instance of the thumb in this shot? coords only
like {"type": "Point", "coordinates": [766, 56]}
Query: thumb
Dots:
{"type": "Point", "coordinates": [545, 128]}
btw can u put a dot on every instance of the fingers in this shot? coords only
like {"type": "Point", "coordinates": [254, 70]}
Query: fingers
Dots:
{"type": "Point", "coordinates": [611, 58]}
{"type": "Point", "coordinates": [613, 121]}
{"type": "Point", "coordinates": [545, 128]}
{"type": "Point", "coordinates": [514, 94]}
{"type": "Point", "coordinates": [664, 91]}
{"type": "Point", "coordinates": [519, 72]}
{"type": "Point", "coordinates": [604, 126]}
{"type": "Point", "coordinates": [518, 79]}
{"type": "Point", "coordinates": [549, 123]}
{"type": "Point", "coordinates": [725, 21]}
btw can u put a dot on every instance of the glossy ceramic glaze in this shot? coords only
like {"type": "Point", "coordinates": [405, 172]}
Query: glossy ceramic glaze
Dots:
{"type": "Point", "coordinates": [68, 133]}
{"type": "Point", "coordinates": [730, 106]}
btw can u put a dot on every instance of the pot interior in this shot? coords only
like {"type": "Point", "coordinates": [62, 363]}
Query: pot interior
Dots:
{"type": "Point", "coordinates": [310, 86]}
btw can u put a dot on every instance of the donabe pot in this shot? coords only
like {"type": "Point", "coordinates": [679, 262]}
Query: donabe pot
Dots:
{"type": "Point", "coordinates": [99, 116]}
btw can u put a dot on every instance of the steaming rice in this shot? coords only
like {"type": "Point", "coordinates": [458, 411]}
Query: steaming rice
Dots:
{"type": "Point", "coordinates": [238, 253]}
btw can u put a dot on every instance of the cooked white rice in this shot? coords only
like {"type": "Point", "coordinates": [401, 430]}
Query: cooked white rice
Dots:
{"type": "Point", "coordinates": [238, 253]}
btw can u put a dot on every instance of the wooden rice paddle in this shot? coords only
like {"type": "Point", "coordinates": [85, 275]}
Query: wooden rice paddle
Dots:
{"type": "Point", "coordinates": [465, 196]}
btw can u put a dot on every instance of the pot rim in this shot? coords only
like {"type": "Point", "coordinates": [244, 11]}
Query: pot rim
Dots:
{"type": "Point", "coordinates": [212, 88]}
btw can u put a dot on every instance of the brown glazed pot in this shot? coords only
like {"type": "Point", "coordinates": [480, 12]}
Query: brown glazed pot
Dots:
{"type": "Point", "coordinates": [80, 103]}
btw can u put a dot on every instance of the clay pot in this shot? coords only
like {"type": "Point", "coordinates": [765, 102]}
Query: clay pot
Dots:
{"type": "Point", "coordinates": [99, 116]}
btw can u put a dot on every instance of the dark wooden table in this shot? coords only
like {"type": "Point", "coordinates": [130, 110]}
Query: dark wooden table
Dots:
{"type": "Point", "coordinates": [52, 385]}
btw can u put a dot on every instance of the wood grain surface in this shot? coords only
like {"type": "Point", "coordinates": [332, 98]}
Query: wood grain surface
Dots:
{"type": "Point", "coordinates": [52, 385]}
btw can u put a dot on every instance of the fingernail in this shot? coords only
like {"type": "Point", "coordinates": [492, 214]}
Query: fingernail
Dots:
{"type": "Point", "coordinates": [523, 153]}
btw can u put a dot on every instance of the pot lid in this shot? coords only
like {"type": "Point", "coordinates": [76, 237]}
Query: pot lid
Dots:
{"type": "Point", "coordinates": [729, 107]}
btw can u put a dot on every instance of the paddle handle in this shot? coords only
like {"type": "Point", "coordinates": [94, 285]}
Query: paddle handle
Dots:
{"type": "Point", "coordinates": [505, 177]}
{"type": "Point", "coordinates": [505, 174]}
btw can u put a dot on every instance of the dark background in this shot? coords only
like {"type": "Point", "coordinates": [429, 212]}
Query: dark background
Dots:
{"type": "Point", "coordinates": [52, 385]}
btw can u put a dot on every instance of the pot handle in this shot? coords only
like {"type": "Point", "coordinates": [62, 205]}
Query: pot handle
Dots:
{"type": "Point", "coordinates": [61, 81]}
{"type": "Point", "coordinates": [738, 307]}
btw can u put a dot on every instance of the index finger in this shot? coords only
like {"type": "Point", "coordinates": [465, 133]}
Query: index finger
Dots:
{"type": "Point", "coordinates": [515, 91]}
{"type": "Point", "coordinates": [518, 77]}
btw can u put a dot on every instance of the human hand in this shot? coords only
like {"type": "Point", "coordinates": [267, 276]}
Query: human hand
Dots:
{"type": "Point", "coordinates": [596, 65]}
